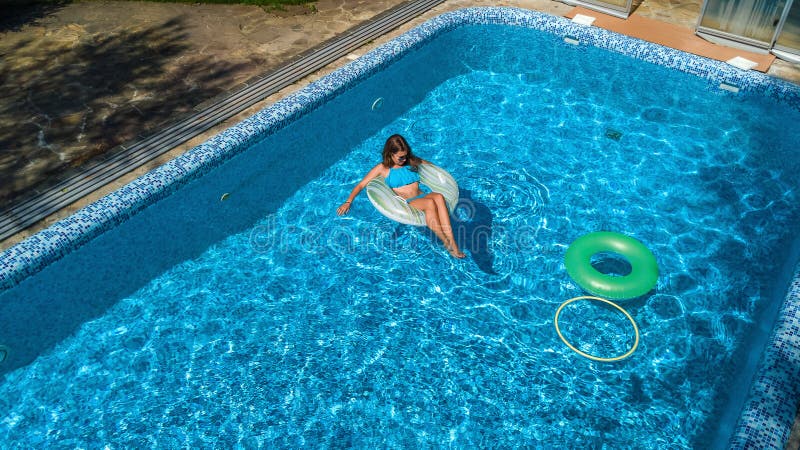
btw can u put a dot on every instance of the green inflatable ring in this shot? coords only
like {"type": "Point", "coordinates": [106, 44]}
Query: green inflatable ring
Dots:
{"type": "Point", "coordinates": [644, 269]}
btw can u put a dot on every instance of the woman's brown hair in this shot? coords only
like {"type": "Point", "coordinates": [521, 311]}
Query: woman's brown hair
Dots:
{"type": "Point", "coordinates": [394, 144]}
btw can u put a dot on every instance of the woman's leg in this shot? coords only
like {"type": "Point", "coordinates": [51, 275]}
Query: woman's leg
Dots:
{"type": "Point", "coordinates": [429, 206]}
{"type": "Point", "coordinates": [444, 219]}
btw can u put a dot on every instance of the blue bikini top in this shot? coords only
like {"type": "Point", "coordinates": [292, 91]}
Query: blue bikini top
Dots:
{"type": "Point", "coordinates": [401, 177]}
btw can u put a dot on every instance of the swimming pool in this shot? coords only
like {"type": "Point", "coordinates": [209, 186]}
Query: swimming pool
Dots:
{"type": "Point", "coordinates": [264, 320]}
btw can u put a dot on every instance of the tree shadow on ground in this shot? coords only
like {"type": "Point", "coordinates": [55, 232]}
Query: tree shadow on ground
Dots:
{"type": "Point", "coordinates": [18, 13]}
{"type": "Point", "coordinates": [71, 99]}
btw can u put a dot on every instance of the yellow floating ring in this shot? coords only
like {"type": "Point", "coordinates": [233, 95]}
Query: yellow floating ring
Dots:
{"type": "Point", "coordinates": [587, 355]}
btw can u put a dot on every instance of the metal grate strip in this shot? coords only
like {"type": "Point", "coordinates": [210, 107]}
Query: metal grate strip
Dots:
{"type": "Point", "coordinates": [20, 216]}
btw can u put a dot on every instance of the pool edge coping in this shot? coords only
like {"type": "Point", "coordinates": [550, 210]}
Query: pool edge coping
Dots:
{"type": "Point", "coordinates": [47, 246]}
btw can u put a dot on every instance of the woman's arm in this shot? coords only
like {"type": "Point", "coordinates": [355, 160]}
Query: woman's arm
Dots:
{"type": "Point", "coordinates": [377, 170]}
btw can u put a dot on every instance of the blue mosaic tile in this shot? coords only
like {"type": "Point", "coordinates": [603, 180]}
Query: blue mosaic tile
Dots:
{"type": "Point", "coordinates": [771, 405]}
{"type": "Point", "coordinates": [768, 415]}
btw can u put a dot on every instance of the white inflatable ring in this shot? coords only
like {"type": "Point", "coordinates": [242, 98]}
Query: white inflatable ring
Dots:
{"type": "Point", "coordinates": [391, 205]}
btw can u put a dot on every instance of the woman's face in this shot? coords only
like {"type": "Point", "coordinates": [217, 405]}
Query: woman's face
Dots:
{"type": "Point", "coordinates": [399, 157]}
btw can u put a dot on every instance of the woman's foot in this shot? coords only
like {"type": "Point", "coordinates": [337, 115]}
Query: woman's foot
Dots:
{"type": "Point", "coordinates": [456, 252]}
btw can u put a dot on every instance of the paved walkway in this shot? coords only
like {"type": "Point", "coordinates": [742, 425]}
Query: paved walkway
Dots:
{"type": "Point", "coordinates": [80, 80]}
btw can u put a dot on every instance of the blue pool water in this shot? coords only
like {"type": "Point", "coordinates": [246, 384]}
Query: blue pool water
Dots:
{"type": "Point", "coordinates": [265, 320]}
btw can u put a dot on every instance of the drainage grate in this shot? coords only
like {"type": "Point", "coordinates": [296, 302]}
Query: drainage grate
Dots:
{"type": "Point", "coordinates": [18, 217]}
{"type": "Point", "coordinates": [613, 134]}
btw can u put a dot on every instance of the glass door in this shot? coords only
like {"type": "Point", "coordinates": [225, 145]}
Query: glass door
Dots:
{"type": "Point", "coordinates": [751, 22]}
{"type": "Point", "coordinates": [788, 40]}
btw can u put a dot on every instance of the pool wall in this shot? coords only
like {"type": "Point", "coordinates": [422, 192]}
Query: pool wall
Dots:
{"type": "Point", "coordinates": [771, 405]}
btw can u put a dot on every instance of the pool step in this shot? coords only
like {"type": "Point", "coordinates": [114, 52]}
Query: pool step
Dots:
{"type": "Point", "coordinates": [16, 218]}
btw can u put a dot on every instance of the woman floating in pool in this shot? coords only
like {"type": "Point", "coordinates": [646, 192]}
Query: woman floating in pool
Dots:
{"type": "Point", "coordinates": [400, 170]}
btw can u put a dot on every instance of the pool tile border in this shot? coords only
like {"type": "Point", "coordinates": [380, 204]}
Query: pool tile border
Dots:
{"type": "Point", "coordinates": [770, 408]}
{"type": "Point", "coordinates": [766, 419]}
